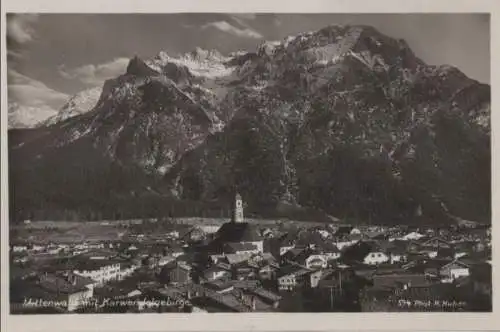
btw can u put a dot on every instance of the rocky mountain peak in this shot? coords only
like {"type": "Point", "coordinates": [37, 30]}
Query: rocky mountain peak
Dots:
{"type": "Point", "coordinates": [343, 120]}
{"type": "Point", "coordinates": [138, 67]}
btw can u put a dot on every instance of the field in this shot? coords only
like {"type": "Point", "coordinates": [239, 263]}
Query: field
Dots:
{"type": "Point", "coordinates": [107, 230]}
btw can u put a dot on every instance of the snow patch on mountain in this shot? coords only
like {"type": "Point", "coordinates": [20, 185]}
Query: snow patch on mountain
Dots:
{"type": "Point", "coordinates": [80, 103]}
{"type": "Point", "coordinates": [23, 116]}
{"type": "Point", "coordinates": [201, 63]}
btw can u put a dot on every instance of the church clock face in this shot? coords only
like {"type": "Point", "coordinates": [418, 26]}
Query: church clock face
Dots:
{"type": "Point", "coordinates": [238, 204]}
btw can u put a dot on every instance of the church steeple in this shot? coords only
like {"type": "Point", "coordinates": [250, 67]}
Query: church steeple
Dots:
{"type": "Point", "coordinates": [237, 209]}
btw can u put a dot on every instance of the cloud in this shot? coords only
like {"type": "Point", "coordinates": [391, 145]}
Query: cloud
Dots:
{"type": "Point", "coordinates": [95, 75]}
{"type": "Point", "coordinates": [20, 27]}
{"type": "Point", "coordinates": [27, 91]}
{"type": "Point", "coordinates": [12, 54]}
{"type": "Point", "coordinates": [31, 101]}
{"type": "Point", "coordinates": [228, 28]}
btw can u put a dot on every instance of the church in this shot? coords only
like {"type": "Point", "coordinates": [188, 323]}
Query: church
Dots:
{"type": "Point", "coordinates": [238, 236]}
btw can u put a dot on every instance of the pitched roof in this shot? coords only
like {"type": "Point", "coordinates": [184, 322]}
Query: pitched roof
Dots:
{"type": "Point", "coordinates": [68, 285]}
{"type": "Point", "coordinates": [265, 294]}
{"type": "Point", "coordinates": [240, 246]}
{"type": "Point", "coordinates": [238, 258]}
{"type": "Point", "coordinates": [238, 232]}
{"type": "Point", "coordinates": [290, 269]}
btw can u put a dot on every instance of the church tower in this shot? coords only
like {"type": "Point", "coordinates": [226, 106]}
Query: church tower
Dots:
{"type": "Point", "coordinates": [237, 209]}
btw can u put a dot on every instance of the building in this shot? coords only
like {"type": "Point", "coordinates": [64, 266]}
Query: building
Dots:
{"type": "Point", "coordinates": [316, 261]}
{"type": "Point", "coordinates": [57, 291]}
{"type": "Point", "coordinates": [454, 270]}
{"type": "Point", "coordinates": [376, 257]}
{"type": "Point", "coordinates": [412, 236]}
{"type": "Point", "coordinates": [101, 271]}
{"type": "Point", "coordinates": [219, 271]}
{"type": "Point", "coordinates": [289, 277]}
{"type": "Point", "coordinates": [177, 273]}
{"type": "Point", "coordinates": [238, 209]}
{"type": "Point", "coordinates": [237, 232]}
{"type": "Point", "coordinates": [240, 248]}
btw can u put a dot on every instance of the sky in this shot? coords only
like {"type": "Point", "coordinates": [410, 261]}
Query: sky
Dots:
{"type": "Point", "coordinates": [53, 56]}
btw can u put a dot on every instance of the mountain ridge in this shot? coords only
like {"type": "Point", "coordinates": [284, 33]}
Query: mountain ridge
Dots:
{"type": "Point", "coordinates": [344, 120]}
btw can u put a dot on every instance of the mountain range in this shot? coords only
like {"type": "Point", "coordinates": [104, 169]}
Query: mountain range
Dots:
{"type": "Point", "coordinates": [341, 123]}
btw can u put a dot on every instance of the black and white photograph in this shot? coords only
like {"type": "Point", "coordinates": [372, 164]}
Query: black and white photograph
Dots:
{"type": "Point", "coordinates": [249, 163]}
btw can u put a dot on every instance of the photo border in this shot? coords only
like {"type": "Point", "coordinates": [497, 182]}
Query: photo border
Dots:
{"type": "Point", "coordinates": [251, 321]}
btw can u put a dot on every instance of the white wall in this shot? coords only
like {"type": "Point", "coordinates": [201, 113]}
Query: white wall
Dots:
{"type": "Point", "coordinates": [459, 272]}
{"type": "Point", "coordinates": [283, 250]}
{"type": "Point", "coordinates": [287, 282]}
{"type": "Point", "coordinates": [320, 258]}
{"type": "Point", "coordinates": [374, 258]}
{"type": "Point", "coordinates": [103, 275]}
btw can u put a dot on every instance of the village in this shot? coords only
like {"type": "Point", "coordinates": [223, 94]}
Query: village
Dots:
{"type": "Point", "coordinates": [245, 267]}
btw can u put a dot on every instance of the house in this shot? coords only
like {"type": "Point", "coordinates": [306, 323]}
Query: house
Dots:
{"type": "Point", "coordinates": [99, 270]}
{"type": "Point", "coordinates": [265, 296]}
{"type": "Point", "coordinates": [329, 250]}
{"type": "Point", "coordinates": [244, 271]}
{"type": "Point", "coordinates": [397, 255]}
{"type": "Point", "coordinates": [218, 271]}
{"type": "Point", "coordinates": [412, 236]}
{"type": "Point", "coordinates": [294, 255]}
{"type": "Point", "coordinates": [365, 252]}
{"type": "Point", "coordinates": [68, 289]}
{"type": "Point", "coordinates": [376, 257]}
{"type": "Point", "coordinates": [285, 248]}
{"type": "Point", "coordinates": [19, 248]}
{"type": "Point", "coordinates": [414, 246]}
{"type": "Point", "coordinates": [127, 269]}
{"type": "Point", "coordinates": [324, 234]}
{"type": "Point", "coordinates": [427, 266]}
{"type": "Point", "coordinates": [194, 234]}
{"type": "Point", "coordinates": [315, 277]}
{"type": "Point", "coordinates": [267, 233]}
{"type": "Point", "coordinates": [177, 273]}
{"type": "Point", "coordinates": [355, 230]}
{"type": "Point", "coordinates": [436, 242]}
{"type": "Point", "coordinates": [172, 234]}
{"type": "Point", "coordinates": [463, 248]}
{"type": "Point", "coordinates": [430, 252]}
{"type": "Point", "coordinates": [175, 251]}
{"type": "Point", "coordinates": [220, 286]}
{"type": "Point", "coordinates": [164, 260]}
{"type": "Point", "coordinates": [345, 243]}
{"type": "Point", "coordinates": [261, 259]}
{"type": "Point", "coordinates": [445, 253]}
{"type": "Point", "coordinates": [268, 271]}
{"type": "Point", "coordinates": [291, 276]}
{"type": "Point", "coordinates": [332, 285]}
{"type": "Point", "coordinates": [397, 251]}
{"type": "Point", "coordinates": [454, 270]}
{"type": "Point", "coordinates": [233, 259]}
{"type": "Point", "coordinates": [343, 231]}
{"type": "Point", "coordinates": [240, 248]}
{"type": "Point", "coordinates": [316, 261]}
